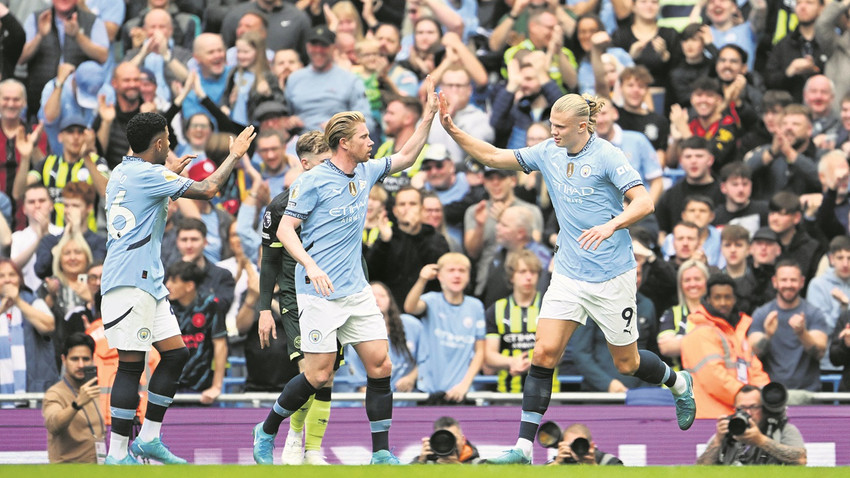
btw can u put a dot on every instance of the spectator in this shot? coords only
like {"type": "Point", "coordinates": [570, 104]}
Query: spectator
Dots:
{"type": "Point", "coordinates": [208, 51]}
{"type": "Point", "coordinates": [251, 81]}
{"type": "Point", "coordinates": [73, 92]}
{"type": "Point", "coordinates": [451, 187]}
{"type": "Point", "coordinates": [768, 125]}
{"type": "Point", "coordinates": [765, 249]}
{"type": "Point", "coordinates": [638, 149]}
{"type": "Point", "coordinates": [799, 55]}
{"type": "Point", "coordinates": [389, 40]}
{"type": "Point", "coordinates": [243, 270]}
{"type": "Point", "coordinates": [512, 321]}
{"type": "Point", "coordinates": [735, 242]}
{"type": "Point", "coordinates": [594, 456]}
{"type": "Point", "coordinates": [37, 206]}
{"type": "Point", "coordinates": [692, 285]}
{"type": "Point", "coordinates": [784, 219]}
{"type": "Point", "coordinates": [656, 48]}
{"type": "Point", "coordinates": [400, 119]}
{"type": "Point", "coordinates": [112, 13]}
{"type": "Point", "coordinates": [727, 27]}
{"type": "Point", "coordinates": [453, 327]}
{"type": "Point", "coordinates": [202, 325]}
{"type": "Point", "coordinates": [216, 282]}
{"type": "Point", "coordinates": [257, 23]}
{"type": "Point", "coordinates": [685, 244]}
{"type": "Point", "coordinates": [111, 123]}
{"type": "Point", "coordinates": [318, 91]}
{"type": "Point", "coordinates": [635, 114]}
{"type": "Point", "coordinates": [739, 208]}
{"type": "Point", "coordinates": [818, 96]}
{"type": "Point", "coordinates": [831, 208]}
{"type": "Point", "coordinates": [376, 214]}
{"type": "Point", "coordinates": [79, 201]}
{"type": "Point", "coordinates": [760, 443]}
{"type": "Point", "coordinates": [405, 246]}
{"type": "Point", "coordinates": [699, 210]}
{"type": "Point", "coordinates": [13, 42]}
{"type": "Point", "coordinates": [696, 160]}
{"type": "Point", "coordinates": [432, 214]}
{"type": "Point", "coordinates": [526, 98]}
{"type": "Point", "coordinates": [546, 34]}
{"type": "Point", "coordinates": [456, 85]}
{"type": "Point", "coordinates": [159, 53]}
{"type": "Point", "coordinates": [185, 26]}
{"type": "Point", "coordinates": [463, 452]}
{"type": "Point", "coordinates": [789, 334]}
{"type": "Point", "coordinates": [731, 64]}
{"type": "Point", "coordinates": [716, 120]}
{"type": "Point", "coordinates": [197, 132]}
{"type": "Point", "coordinates": [830, 292]}
{"type": "Point", "coordinates": [285, 62]}
{"type": "Point", "coordinates": [479, 222]}
{"type": "Point", "coordinates": [514, 25]}
{"type": "Point", "coordinates": [288, 25]}
{"type": "Point", "coordinates": [26, 353]}
{"type": "Point", "coordinates": [593, 41]}
{"type": "Point", "coordinates": [832, 37]}
{"type": "Point", "coordinates": [513, 234]}
{"type": "Point", "coordinates": [82, 37]}
{"type": "Point", "coordinates": [76, 163]}
{"type": "Point", "coordinates": [216, 219]}
{"type": "Point", "coordinates": [697, 61]}
{"type": "Point", "coordinates": [716, 341]}
{"type": "Point", "coordinates": [275, 168]}
{"type": "Point", "coordinates": [15, 139]}
{"type": "Point", "coordinates": [72, 436]}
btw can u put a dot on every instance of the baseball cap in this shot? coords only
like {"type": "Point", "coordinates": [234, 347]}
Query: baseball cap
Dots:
{"type": "Point", "coordinates": [147, 75]}
{"type": "Point", "coordinates": [89, 78]}
{"type": "Point", "coordinates": [435, 152]}
{"type": "Point", "coordinates": [501, 172]}
{"type": "Point", "coordinates": [321, 34]}
{"type": "Point", "coordinates": [269, 109]}
{"type": "Point", "coordinates": [201, 170]}
{"type": "Point", "coordinates": [765, 234]}
{"type": "Point", "coordinates": [72, 120]}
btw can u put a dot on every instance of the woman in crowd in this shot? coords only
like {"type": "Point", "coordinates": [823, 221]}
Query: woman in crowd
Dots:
{"type": "Point", "coordinates": [691, 284]}
{"type": "Point", "coordinates": [252, 81]}
{"type": "Point", "coordinates": [27, 361]}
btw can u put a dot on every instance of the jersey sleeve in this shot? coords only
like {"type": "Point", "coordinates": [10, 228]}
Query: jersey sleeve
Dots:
{"type": "Point", "coordinates": [531, 158]}
{"type": "Point", "coordinates": [490, 322]}
{"type": "Point", "coordinates": [621, 173]}
{"type": "Point", "coordinates": [159, 181]}
{"type": "Point", "coordinates": [480, 328]}
{"type": "Point", "coordinates": [378, 169]}
{"type": "Point", "coordinates": [303, 197]}
{"type": "Point", "coordinates": [271, 219]}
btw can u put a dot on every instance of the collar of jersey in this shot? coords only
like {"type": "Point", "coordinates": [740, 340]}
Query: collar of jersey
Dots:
{"type": "Point", "coordinates": [334, 168]}
{"type": "Point", "coordinates": [587, 145]}
{"type": "Point", "coordinates": [133, 158]}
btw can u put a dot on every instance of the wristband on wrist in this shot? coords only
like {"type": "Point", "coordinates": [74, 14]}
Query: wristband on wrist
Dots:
{"type": "Point", "coordinates": [75, 406]}
{"type": "Point", "coordinates": [512, 16]}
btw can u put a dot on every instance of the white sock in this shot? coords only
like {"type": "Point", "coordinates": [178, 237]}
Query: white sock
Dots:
{"type": "Point", "coordinates": [150, 430]}
{"type": "Point", "coordinates": [293, 434]}
{"type": "Point", "coordinates": [524, 445]}
{"type": "Point", "coordinates": [681, 384]}
{"type": "Point", "coordinates": [314, 453]}
{"type": "Point", "coordinates": [118, 445]}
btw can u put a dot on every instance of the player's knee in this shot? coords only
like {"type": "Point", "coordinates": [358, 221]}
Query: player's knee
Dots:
{"type": "Point", "coordinates": [382, 369]}
{"type": "Point", "coordinates": [546, 355]}
{"type": "Point", "coordinates": [626, 366]}
{"type": "Point", "coordinates": [176, 357]}
{"type": "Point", "coordinates": [319, 378]}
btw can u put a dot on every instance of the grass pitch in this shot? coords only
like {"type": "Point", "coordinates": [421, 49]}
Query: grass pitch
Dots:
{"type": "Point", "coordinates": [416, 471]}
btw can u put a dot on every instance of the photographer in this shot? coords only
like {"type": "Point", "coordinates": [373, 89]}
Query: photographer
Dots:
{"type": "Point", "coordinates": [577, 447]}
{"type": "Point", "coordinates": [451, 447]}
{"type": "Point", "coordinates": [71, 412]}
{"type": "Point", "coordinates": [765, 436]}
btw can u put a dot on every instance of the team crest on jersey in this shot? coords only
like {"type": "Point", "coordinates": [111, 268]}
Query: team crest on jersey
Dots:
{"type": "Point", "coordinates": [315, 336]}
{"type": "Point", "coordinates": [144, 334]}
{"type": "Point", "coordinates": [199, 320]}
{"type": "Point", "coordinates": [585, 171]}
{"type": "Point", "coordinates": [571, 168]}
{"type": "Point", "coordinates": [362, 184]}
{"type": "Point", "coordinates": [295, 190]}
{"type": "Point", "coordinates": [352, 188]}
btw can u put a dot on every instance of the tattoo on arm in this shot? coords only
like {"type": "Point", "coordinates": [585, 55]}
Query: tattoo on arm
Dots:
{"type": "Point", "coordinates": [785, 453]}
{"type": "Point", "coordinates": [208, 188]}
{"type": "Point", "coordinates": [711, 455]}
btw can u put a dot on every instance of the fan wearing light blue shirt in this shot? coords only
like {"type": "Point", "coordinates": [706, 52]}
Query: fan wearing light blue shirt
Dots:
{"type": "Point", "coordinates": [334, 301]}
{"type": "Point", "coordinates": [136, 313]}
{"type": "Point", "coordinates": [594, 263]}
{"type": "Point", "coordinates": [454, 329]}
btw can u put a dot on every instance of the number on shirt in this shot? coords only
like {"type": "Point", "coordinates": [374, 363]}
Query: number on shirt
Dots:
{"type": "Point", "coordinates": [628, 313]}
{"type": "Point", "coordinates": [116, 211]}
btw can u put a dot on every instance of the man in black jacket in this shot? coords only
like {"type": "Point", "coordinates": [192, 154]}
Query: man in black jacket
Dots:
{"type": "Point", "coordinates": [405, 247]}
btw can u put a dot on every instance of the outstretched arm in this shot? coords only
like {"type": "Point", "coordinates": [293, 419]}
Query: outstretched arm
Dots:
{"type": "Point", "coordinates": [208, 188]}
{"type": "Point", "coordinates": [411, 149]}
{"type": "Point", "coordinates": [482, 151]}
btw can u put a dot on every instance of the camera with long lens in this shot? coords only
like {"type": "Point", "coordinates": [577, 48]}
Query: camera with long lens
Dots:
{"type": "Point", "coordinates": [739, 422]}
{"type": "Point", "coordinates": [549, 435]}
{"type": "Point", "coordinates": [443, 444]}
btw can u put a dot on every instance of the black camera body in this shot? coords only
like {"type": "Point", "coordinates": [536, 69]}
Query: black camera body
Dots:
{"type": "Point", "coordinates": [739, 422]}
{"type": "Point", "coordinates": [549, 435]}
{"type": "Point", "coordinates": [443, 444]}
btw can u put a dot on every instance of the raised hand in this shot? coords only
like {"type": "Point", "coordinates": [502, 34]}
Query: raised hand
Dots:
{"type": "Point", "coordinates": [771, 322]}
{"type": "Point", "coordinates": [240, 145]}
{"type": "Point", "coordinates": [63, 72]}
{"type": "Point", "coordinates": [176, 164]}
{"type": "Point", "coordinates": [104, 110]}
{"type": "Point", "coordinates": [429, 272]}
{"type": "Point", "coordinates": [45, 22]}
{"type": "Point", "coordinates": [25, 143]}
{"type": "Point", "coordinates": [72, 26]}
{"type": "Point", "coordinates": [432, 103]}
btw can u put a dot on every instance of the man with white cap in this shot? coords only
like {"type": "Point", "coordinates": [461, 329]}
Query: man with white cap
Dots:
{"type": "Point", "coordinates": [73, 92]}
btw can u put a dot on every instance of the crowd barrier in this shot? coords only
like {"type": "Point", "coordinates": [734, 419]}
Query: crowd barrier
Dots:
{"type": "Point", "coordinates": [639, 435]}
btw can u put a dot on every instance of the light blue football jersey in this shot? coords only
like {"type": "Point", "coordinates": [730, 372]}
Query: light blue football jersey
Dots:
{"type": "Point", "coordinates": [136, 208]}
{"type": "Point", "coordinates": [586, 190]}
{"type": "Point", "coordinates": [448, 340]}
{"type": "Point", "coordinates": [332, 205]}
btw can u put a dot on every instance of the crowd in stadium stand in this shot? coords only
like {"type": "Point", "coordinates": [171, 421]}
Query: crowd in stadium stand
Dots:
{"type": "Point", "coordinates": [735, 114]}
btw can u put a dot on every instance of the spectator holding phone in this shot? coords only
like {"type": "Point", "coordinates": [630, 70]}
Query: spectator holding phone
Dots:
{"type": "Point", "coordinates": [72, 415]}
